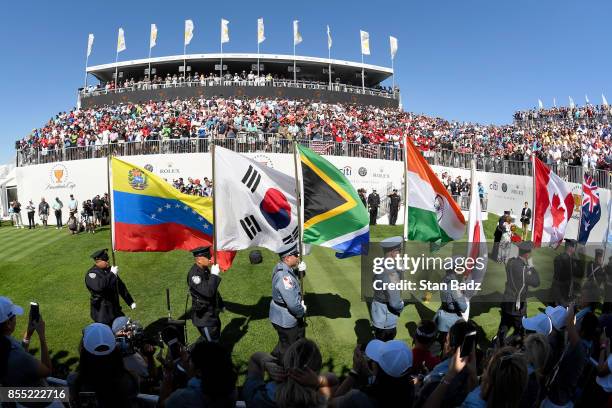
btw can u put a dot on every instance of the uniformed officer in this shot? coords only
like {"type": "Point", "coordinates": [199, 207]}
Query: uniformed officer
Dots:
{"type": "Point", "coordinates": [206, 303]}
{"type": "Point", "coordinates": [520, 274]}
{"type": "Point", "coordinates": [453, 302]}
{"type": "Point", "coordinates": [287, 308]}
{"type": "Point", "coordinates": [105, 286]}
{"type": "Point", "coordinates": [387, 304]}
{"type": "Point", "coordinates": [373, 204]}
{"type": "Point", "coordinates": [567, 275]}
{"type": "Point", "coordinates": [394, 204]}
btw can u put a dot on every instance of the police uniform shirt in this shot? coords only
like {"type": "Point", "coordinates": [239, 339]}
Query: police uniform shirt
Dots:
{"type": "Point", "coordinates": [394, 201]}
{"type": "Point", "coordinates": [286, 304]}
{"type": "Point", "coordinates": [387, 304]}
{"type": "Point", "coordinates": [105, 288]}
{"type": "Point", "coordinates": [205, 299]}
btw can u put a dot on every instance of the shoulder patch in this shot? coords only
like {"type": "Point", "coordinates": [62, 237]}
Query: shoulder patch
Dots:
{"type": "Point", "coordinates": [92, 275]}
{"type": "Point", "coordinates": [288, 282]}
{"type": "Point", "coordinates": [196, 279]}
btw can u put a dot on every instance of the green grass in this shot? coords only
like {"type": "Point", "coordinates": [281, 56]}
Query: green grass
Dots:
{"type": "Point", "coordinates": [49, 266]}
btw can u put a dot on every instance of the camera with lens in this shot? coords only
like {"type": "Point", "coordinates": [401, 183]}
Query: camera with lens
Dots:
{"type": "Point", "coordinates": [131, 337]}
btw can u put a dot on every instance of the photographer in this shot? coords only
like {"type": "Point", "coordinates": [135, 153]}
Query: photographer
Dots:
{"type": "Point", "coordinates": [137, 351]}
{"type": "Point", "coordinates": [17, 366]}
{"type": "Point", "coordinates": [101, 379]}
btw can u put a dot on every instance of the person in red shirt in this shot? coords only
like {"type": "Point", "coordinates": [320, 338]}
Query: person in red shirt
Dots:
{"type": "Point", "coordinates": [422, 359]}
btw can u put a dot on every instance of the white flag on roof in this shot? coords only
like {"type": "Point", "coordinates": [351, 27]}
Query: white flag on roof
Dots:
{"type": "Point", "coordinates": [297, 37]}
{"type": "Point", "coordinates": [224, 31]}
{"type": "Point", "coordinates": [256, 205]}
{"type": "Point", "coordinates": [121, 40]}
{"type": "Point", "coordinates": [393, 45]}
{"type": "Point", "coordinates": [188, 31]}
{"type": "Point", "coordinates": [153, 38]}
{"type": "Point", "coordinates": [365, 42]}
{"type": "Point", "coordinates": [90, 41]}
{"type": "Point", "coordinates": [261, 36]}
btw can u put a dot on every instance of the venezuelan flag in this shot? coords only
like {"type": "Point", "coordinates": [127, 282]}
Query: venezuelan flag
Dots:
{"type": "Point", "coordinates": [148, 214]}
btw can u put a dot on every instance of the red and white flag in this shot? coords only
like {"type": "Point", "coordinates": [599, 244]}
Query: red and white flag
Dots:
{"type": "Point", "coordinates": [477, 242]}
{"type": "Point", "coordinates": [553, 205]}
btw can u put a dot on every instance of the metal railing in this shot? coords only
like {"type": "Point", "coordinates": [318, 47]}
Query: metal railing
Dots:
{"type": "Point", "coordinates": [279, 83]}
{"type": "Point", "coordinates": [257, 142]}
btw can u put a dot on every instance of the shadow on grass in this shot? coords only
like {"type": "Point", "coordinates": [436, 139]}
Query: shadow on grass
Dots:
{"type": "Point", "coordinates": [61, 362]}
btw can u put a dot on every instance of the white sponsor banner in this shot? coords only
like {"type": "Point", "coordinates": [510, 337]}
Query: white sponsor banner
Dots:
{"type": "Point", "coordinates": [86, 178]}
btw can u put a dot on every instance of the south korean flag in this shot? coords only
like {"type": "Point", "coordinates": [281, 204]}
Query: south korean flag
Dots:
{"type": "Point", "coordinates": [255, 204]}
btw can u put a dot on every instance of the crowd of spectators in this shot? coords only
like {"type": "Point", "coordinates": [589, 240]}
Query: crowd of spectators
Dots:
{"type": "Point", "coordinates": [562, 359]}
{"type": "Point", "coordinates": [210, 79]}
{"type": "Point", "coordinates": [580, 139]}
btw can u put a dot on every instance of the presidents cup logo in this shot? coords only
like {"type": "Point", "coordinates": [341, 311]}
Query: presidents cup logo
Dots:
{"type": "Point", "coordinates": [363, 171]}
{"type": "Point", "coordinates": [137, 179]}
{"type": "Point", "coordinates": [504, 187]}
{"type": "Point", "coordinates": [58, 178]}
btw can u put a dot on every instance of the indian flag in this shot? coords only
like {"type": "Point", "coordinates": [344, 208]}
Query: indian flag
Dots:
{"type": "Point", "coordinates": [432, 213]}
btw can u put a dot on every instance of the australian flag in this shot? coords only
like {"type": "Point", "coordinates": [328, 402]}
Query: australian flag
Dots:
{"type": "Point", "coordinates": [591, 208]}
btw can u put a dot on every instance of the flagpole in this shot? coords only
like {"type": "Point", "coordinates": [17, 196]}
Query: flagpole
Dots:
{"type": "Point", "coordinates": [607, 229]}
{"type": "Point", "coordinates": [116, 68]}
{"type": "Point", "coordinates": [330, 65]}
{"type": "Point", "coordinates": [405, 237]}
{"type": "Point", "coordinates": [214, 197]}
{"type": "Point", "coordinates": [580, 218]}
{"type": "Point", "coordinates": [150, 60]}
{"type": "Point", "coordinates": [299, 208]}
{"type": "Point", "coordinates": [533, 197]}
{"type": "Point", "coordinates": [86, 64]}
{"type": "Point", "coordinates": [221, 66]}
{"type": "Point", "coordinates": [112, 208]}
{"type": "Point", "coordinates": [258, 55]}
{"type": "Point", "coordinates": [392, 78]}
{"type": "Point", "coordinates": [294, 73]}
{"type": "Point", "coordinates": [184, 60]}
{"type": "Point", "coordinates": [362, 75]}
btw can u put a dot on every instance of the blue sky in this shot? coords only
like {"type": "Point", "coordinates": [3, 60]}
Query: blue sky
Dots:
{"type": "Point", "coordinates": [471, 60]}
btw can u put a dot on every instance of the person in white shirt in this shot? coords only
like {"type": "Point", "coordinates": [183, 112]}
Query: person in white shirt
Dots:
{"type": "Point", "coordinates": [73, 205]}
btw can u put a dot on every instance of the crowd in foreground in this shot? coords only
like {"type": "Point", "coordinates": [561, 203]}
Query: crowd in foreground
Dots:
{"type": "Point", "coordinates": [574, 137]}
{"type": "Point", "coordinates": [559, 357]}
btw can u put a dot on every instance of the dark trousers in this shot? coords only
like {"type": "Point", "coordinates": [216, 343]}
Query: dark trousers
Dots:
{"type": "Point", "coordinates": [385, 334]}
{"type": "Point", "coordinates": [31, 223]}
{"type": "Point", "coordinates": [286, 337]}
{"type": "Point", "coordinates": [393, 216]}
{"type": "Point", "coordinates": [58, 218]}
{"type": "Point", "coordinates": [506, 323]}
{"type": "Point", "coordinates": [373, 215]}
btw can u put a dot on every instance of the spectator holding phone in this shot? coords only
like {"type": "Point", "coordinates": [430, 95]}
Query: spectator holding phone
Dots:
{"type": "Point", "coordinates": [17, 366]}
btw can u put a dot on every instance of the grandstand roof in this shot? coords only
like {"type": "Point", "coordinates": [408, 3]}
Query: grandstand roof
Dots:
{"type": "Point", "coordinates": [310, 68]}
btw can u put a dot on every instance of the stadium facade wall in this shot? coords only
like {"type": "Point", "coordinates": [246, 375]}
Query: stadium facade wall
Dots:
{"type": "Point", "coordinates": [138, 96]}
{"type": "Point", "coordinates": [86, 178]}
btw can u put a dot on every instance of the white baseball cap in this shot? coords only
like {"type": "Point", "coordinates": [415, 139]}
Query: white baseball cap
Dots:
{"type": "Point", "coordinates": [557, 316]}
{"type": "Point", "coordinates": [8, 309]}
{"type": "Point", "coordinates": [606, 382]}
{"type": "Point", "coordinates": [393, 356]}
{"type": "Point", "coordinates": [98, 339]}
{"type": "Point", "coordinates": [539, 323]}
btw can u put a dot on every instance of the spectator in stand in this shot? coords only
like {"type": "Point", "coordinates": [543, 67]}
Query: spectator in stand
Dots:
{"type": "Point", "coordinates": [31, 209]}
{"type": "Point", "coordinates": [43, 211]}
{"type": "Point", "coordinates": [296, 382]}
{"type": "Point", "coordinates": [57, 209]}
{"type": "Point", "coordinates": [18, 368]}
{"type": "Point", "coordinates": [101, 380]}
{"type": "Point", "coordinates": [388, 365]}
{"type": "Point", "coordinates": [212, 380]}
{"type": "Point", "coordinates": [423, 360]}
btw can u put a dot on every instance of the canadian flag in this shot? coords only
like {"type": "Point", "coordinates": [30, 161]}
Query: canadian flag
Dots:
{"type": "Point", "coordinates": [553, 205]}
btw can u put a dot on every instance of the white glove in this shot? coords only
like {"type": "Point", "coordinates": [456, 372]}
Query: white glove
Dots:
{"type": "Point", "coordinates": [133, 305]}
{"type": "Point", "coordinates": [115, 269]}
{"type": "Point", "coordinates": [302, 266]}
{"type": "Point", "coordinates": [304, 306]}
{"type": "Point", "coordinates": [215, 269]}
